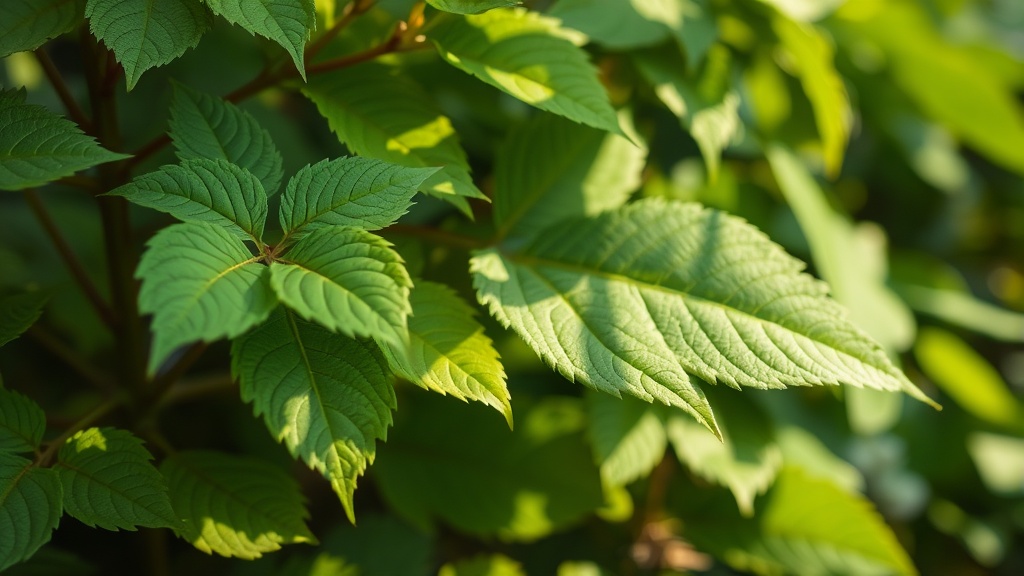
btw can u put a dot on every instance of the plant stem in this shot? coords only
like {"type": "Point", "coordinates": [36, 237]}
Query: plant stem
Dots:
{"type": "Point", "coordinates": [63, 92]}
{"type": "Point", "coordinates": [163, 383]}
{"type": "Point", "coordinates": [198, 388]}
{"type": "Point", "coordinates": [352, 11]}
{"type": "Point", "coordinates": [84, 422]}
{"type": "Point", "coordinates": [71, 357]}
{"type": "Point", "coordinates": [436, 236]}
{"type": "Point", "coordinates": [78, 271]}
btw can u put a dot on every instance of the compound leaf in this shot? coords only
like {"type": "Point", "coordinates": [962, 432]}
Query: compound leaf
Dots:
{"type": "Point", "coordinates": [145, 35]}
{"type": "Point", "coordinates": [109, 481]}
{"type": "Point", "coordinates": [347, 280]}
{"type": "Point", "coordinates": [471, 6]}
{"type": "Point", "coordinates": [287, 22]}
{"type": "Point", "coordinates": [200, 190]}
{"type": "Point", "coordinates": [18, 312]}
{"type": "Point", "coordinates": [22, 423]}
{"type": "Point", "coordinates": [200, 283]}
{"type": "Point", "coordinates": [30, 508]}
{"type": "Point", "coordinates": [204, 126]}
{"type": "Point", "coordinates": [327, 397]}
{"type": "Point", "coordinates": [37, 146]}
{"type": "Point", "coordinates": [359, 192]}
{"type": "Point", "coordinates": [234, 506]}
{"type": "Point", "coordinates": [634, 300]}
{"type": "Point", "coordinates": [28, 24]}
{"type": "Point", "coordinates": [627, 435]}
{"type": "Point", "coordinates": [530, 57]}
{"type": "Point", "coordinates": [448, 351]}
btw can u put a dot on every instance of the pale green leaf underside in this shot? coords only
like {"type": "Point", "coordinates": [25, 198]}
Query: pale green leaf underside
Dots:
{"type": "Point", "coordinates": [28, 24]}
{"type": "Point", "coordinates": [30, 508]}
{"type": "Point", "coordinates": [22, 423]}
{"type": "Point", "coordinates": [529, 57]}
{"type": "Point", "coordinates": [448, 351]}
{"type": "Point", "coordinates": [109, 481]}
{"type": "Point", "coordinates": [200, 190]}
{"type": "Point", "coordinates": [359, 192]}
{"type": "Point", "coordinates": [327, 397]}
{"type": "Point", "coordinates": [380, 114]}
{"type": "Point", "coordinates": [574, 170]}
{"type": "Point", "coordinates": [634, 300]}
{"type": "Point", "coordinates": [347, 280]}
{"type": "Point", "coordinates": [200, 283]}
{"type": "Point", "coordinates": [37, 146]}
{"type": "Point", "coordinates": [471, 6]}
{"type": "Point", "coordinates": [204, 126]}
{"type": "Point", "coordinates": [287, 22]}
{"type": "Point", "coordinates": [18, 312]}
{"type": "Point", "coordinates": [627, 435]}
{"type": "Point", "coordinates": [234, 506]}
{"type": "Point", "coordinates": [145, 35]}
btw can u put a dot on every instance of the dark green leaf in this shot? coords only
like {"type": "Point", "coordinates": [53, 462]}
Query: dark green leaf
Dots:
{"type": "Point", "coordinates": [287, 22]}
{"type": "Point", "coordinates": [28, 24]}
{"type": "Point", "coordinates": [22, 423]}
{"type": "Point", "coordinates": [30, 508]}
{"type": "Point", "coordinates": [18, 312]}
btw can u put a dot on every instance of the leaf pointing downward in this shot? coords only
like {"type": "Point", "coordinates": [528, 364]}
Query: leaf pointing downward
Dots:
{"type": "Point", "coordinates": [287, 22]}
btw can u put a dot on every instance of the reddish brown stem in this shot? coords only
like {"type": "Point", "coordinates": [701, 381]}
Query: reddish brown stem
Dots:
{"type": "Point", "coordinates": [63, 92]}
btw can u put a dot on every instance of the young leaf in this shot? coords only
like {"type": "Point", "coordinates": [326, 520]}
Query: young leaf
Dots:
{"type": "Point", "coordinates": [28, 24]}
{"type": "Point", "coordinates": [200, 190]}
{"type": "Point", "coordinates": [628, 436]}
{"type": "Point", "coordinates": [108, 481]}
{"type": "Point", "coordinates": [18, 312]}
{"type": "Point", "coordinates": [22, 423]}
{"type": "Point", "coordinates": [574, 170]}
{"type": "Point", "coordinates": [380, 114]}
{"type": "Point", "coordinates": [471, 6]}
{"type": "Point", "coordinates": [30, 508]}
{"type": "Point", "coordinates": [359, 192]}
{"type": "Point", "coordinates": [633, 300]}
{"type": "Point", "coordinates": [234, 506]}
{"type": "Point", "coordinates": [37, 146]}
{"type": "Point", "coordinates": [144, 35]}
{"type": "Point", "coordinates": [204, 126]}
{"type": "Point", "coordinates": [530, 57]}
{"type": "Point", "coordinates": [200, 283]}
{"type": "Point", "coordinates": [448, 351]}
{"type": "Point", "coordinates": [287, 22]}
{"type": "Point", "coordinates": [327, 397]}
{"type": "Point", "coordinates": [347, 280]}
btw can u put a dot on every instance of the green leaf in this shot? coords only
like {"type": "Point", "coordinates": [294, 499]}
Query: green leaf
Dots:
{"type": "Point", "coordinates": [448, 351]}
{"type": "Point", "coordinates": [633, 300]}
{"type": "Point", "coordinates": [806, 526]}
{"type": "Point", "coordinates": [574, 170]}
{"type": "Point", "coordinates": [37, 146]}
{"type": "Point", "coordinates": [287, 22]}
{"type": "Point", "coordinates": [964, 310]}
{"type": "Point", "coordinates": [18, 312]}
{"type": "Point", "coordinates": [347, 280]}
{"type": "Point", "coordinates": [147, 34]}
{"type": "Point", "coordinates": [530, 57]}
{"type": "Point", "coordinates": [457, 463]}
{"type": "Point", "coordinates": [483, 565]}
{"type": "Point", "coordinates": [200, 190]}
{"type": "Point", "coordinates": [746, 459]}
{"type": "Point", "coordinates": [204, 126]}
{"type": "Point", "coordinates": [327, 397]}
{"type": "Point", "coordinates": [628, 437]}
{"type": "Point", "coordinates": [803, 450]}
{"type": "Point", "coordinates": [200, 283]}
{"type": "Point", "coordinates": [234, 506]}
{"type": "Point", "coordinates": [22, 423]}
{"type": "Point", "coordinates": [109, 482]}
{"type": "Point", "coordinates": [380, 114]}
{"type": "Point", "coordinates": [616, 25]}
{"type": "Point", "coordinates": [28, 24]}
{"type": "Point", "coordinates": [29, 508]}
{"type": "Point", "coordinates": [999, 460]}
{"type": "Point", "coordinates": [359, 192]}
{"type": "Point", "coordinates": [471, 6]}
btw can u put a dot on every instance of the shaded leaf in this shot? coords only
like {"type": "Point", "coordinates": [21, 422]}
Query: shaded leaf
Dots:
{"type": "Point", "coordinates": [28, 24]}
{"type": "Point", "coordinates": [327, 397]}
{"type": "Point", "coordinates": [617, 25]}
{"type": "Point", "coordinates": [22, 423]}
{"type": "Point", "coordinates": [18, 312]}
{"type": "Point", "coordinates": [471, 6]}
{"type": "Point", "coordinates": [628, 436]}
{"type": "Point", "coordinates": [483, 565]}
{"type": "Point", "coordinates": [30, 508]}
{"type": "Point", "coordinates": [287, 22]}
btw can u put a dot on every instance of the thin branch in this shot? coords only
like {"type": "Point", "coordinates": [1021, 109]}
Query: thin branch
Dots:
{"type": "Point", "coordinates": [389, 46]}
{"type": "Point", "coordinates": [63, 92]}
{"type": "Point", "coordinates": [72, 358]}
{"type": "Point", "coordinates": [352, 11]}
{"type": "Point", "coordinates": [436, 236]}
{"type": "Point", "coordinates": [161, 384]}
{"type": "Point", "coordinates": [201, 387]}
{"type": "Point", "coordinates": [74, 265]}
{"type": "Point", "coordinates": [84, 422]}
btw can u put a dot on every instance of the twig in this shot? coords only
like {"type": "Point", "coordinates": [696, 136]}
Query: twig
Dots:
{"type": "Point", "coordinates": [352, 11]}
{"type": "Point", "coordinates": [63, 92]}
{"type": "Point", "coordinates": [84, 422]}
{"type": "Point", "coordinates": [161, 384]}
{"type": "Point", "coordinates": [72, 358]}
{"type": "Point", "coordinates": [187, 390]}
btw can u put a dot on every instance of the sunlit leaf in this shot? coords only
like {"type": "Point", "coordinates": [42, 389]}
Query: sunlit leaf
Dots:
{"type": "Point", "coordinates": [471, 6]}
{"type": "Point", "coordinates": [628, 436]}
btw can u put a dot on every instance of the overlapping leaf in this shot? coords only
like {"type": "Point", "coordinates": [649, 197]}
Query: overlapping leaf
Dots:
{"type": "Point", "coordinates": [28, 24]}
{"type": "Point", "coordinates": [359, 192]}
{"type": "Point", "coordinates": [628, 436]}
{"type": "Point", "coordinates": [471, 6]}
{"type": "Point", "coordinates": [200, 283]}
{"type": "Point", "coordinates": [448, 351]}
{"type": "Point", "coordinates": [634, 300]}
{"type": "Point", "coordinates": [347, 280]}
{"type": "Point", "coordinates": [144, 35]}
{"type": "Point", "coordinates": [30, 508]}
{"type": "Point", "coordinates": [617, 25]}
{"type": "Point", "coordinates": [287, 22]}
{"type": "Point", "coordinates": [382, 115]}
{"type": "Point", "coordinates": [22, 423]}
{"type": "Point", "coordinates": [204, 126]}
{"type": "Point", "coordinates": [530, 57]}
{"type": "Point", "coordinates": [37, 146]}
{"type": "Point", "coordinates": [234, 506]}
{"type": "Point", "coordinates": [327, 397]}
{"type": "Point", "coordinates": [200, 190]}
{"type": "Point", "coordinates": [18, 312]}
{"type": "Point", "coordinates": [108, 481]}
